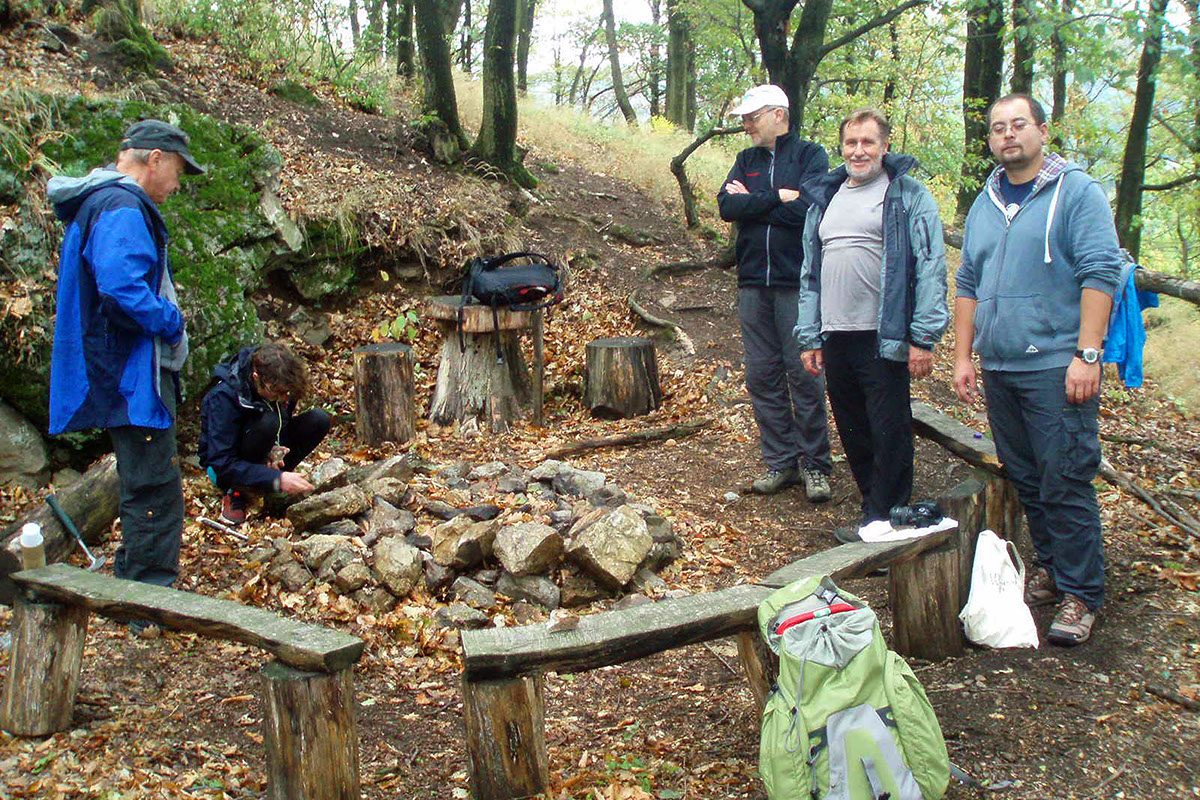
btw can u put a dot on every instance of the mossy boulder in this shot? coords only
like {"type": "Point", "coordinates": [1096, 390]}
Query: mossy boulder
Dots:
{"type": "Point", "coordinates": [132, 43]}
{"type": "Point", "coordinates": [221, 241]}
{"type": "Point", "coordinates": [295, 92]}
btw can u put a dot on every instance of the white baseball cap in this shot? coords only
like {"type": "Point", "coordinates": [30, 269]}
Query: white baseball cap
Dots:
{"type": "Point", "coordinates": [768, 94]}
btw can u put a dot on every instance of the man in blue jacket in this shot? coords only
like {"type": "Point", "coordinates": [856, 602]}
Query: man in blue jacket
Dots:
{"type": "Point", "coordinates": [762, 195]}
{"type": "Point", "coordinates": [119, 339]}
{"type": "Point", "coordinates": [251, 438]}
{"type": "Point", "coordinates": [1040, 265]}
{"type": "Point", "coordinates": [872, 305]}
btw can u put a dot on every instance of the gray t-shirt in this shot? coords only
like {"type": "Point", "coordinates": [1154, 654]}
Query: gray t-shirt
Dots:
{"type": "Point", "coordinates": [852, 257]}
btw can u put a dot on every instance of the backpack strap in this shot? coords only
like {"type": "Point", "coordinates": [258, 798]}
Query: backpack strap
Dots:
{"type": "Point", "coordinates": [877, 789]}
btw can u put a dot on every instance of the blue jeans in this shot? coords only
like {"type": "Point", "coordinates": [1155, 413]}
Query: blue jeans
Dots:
{"type": "Point", "coordinates": [789, 403]}
{"type": "Point", "coordinates": [1051, 451]}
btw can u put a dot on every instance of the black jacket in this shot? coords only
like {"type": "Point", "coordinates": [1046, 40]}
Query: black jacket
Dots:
{"type": "Point", "coordinates": [769, 240]}
{"type": "Point", "coordinates": [228, 408]}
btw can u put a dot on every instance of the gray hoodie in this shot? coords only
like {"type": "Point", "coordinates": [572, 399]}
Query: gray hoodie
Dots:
{"type": "Point", "coordinates": [1026, 273]}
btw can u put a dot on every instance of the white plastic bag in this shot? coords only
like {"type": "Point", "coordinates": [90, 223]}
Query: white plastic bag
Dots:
{"type": "Point", "coordinates": [996, 614]}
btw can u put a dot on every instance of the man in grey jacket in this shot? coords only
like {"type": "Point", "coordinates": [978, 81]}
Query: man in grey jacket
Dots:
{"type": "Point", "coordinates": [1040, 264]}
{"type": "Point", "coordinates": [872, 305]}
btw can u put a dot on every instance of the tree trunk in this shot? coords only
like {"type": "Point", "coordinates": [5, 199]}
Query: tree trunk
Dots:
{"type": "Point", "coordinates": [91, 502]}
{"type": "Point", "coordinates": [678, 45]}
{"type": "Point", "coordinates": [1058, 55]}
{"type": "Point", "coordinates": [1133, 163]}
{"type": "Point", "coordinates": [373, 38]}
{"type": "Point", "coordinates": [579, 71]}
{"type": "Point", "coordinates": [506, 738]}
{"type": "Point", "coordinates": [654, 76]}
{"type": "Point", "coordinates": [622, 377]}
{"type": "Point", "coordinates": [614, 61]}
{"type": "Point", "coordinates": [1023, 46]}
{"type": "Point", "coordinates": [355, 31]}
{"type": "Point", "coordinates": [466, 40]}
{"type": "Point", "coordinates": [982, 74]}
{"type": "Point", "coordinates": [889, 90]}
{"type": "Point", "coordinates": [450, 11]}
{"type": "Point", "coordinates": [43, 673]}
{"type": "Point", "coordinates": [440, 98]}
{"type": "Point", "coordinates": [406, 66]}
{"type": "Point", "coordinates": [383, 384]}
{"type": "Point", "coordinates": [497, 142]}
{"type": "Point", "coordinates": [528, 9]}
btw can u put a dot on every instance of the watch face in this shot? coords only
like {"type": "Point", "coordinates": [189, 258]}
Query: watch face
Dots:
{"type": "Point", "coordinates": [1090, 355]}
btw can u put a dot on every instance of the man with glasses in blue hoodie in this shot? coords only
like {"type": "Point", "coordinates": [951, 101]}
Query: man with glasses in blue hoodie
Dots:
{"type": "Point", "coordinates": [1040, 265]}
{"type": "Point", "coordinates": [119, 338]}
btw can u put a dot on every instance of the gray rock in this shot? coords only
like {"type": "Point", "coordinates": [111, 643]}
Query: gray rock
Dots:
{"type": "Point", "coordinates": [392, 490]}
{"type": "Point", "coordinates": [458, 469]}
{"type": "Point", "coordinates": [580, 590]}
{"type": "Point", "coordinates": [612, 549]}
{"type": "Point", "coordinates": [514, 482]}
{"type": "Point", "coordinates": [547, 470]}
{"type": "Point", "coordinates": [487, 577]}
{"type": "Point", "coordinates": [397, 467]}
{"type": "Point", "coordinates": [473, 593]}
{"type": "Point", "coordinates": [462, 543]}
{"type": "Point", "coordinates": [459, 615]}
{"type": "Point", "coordinates": [65, 477]}
{"type": "Point", "coordinates": [437, 577]}
{"type": "Point", "coordinates": [561, 519]}
{"type": "Point", "coordinates": [22, 451]}
{"type": "Point", "coordinates": [398, 565]}
{"type": "Point", "coordinates": [534, 588]}
{"type": "Point", "coordinates": [578, 482]}
{"type": "Point", "coordinates": [488, 471]}
{"type": "Point", "coordinates": [731, 497]}
{"type": "Point", "coordinates": [316, 548]}
{"type": "Point", "coordinates": [343, 527]}
{"type": "Point", "coordinates": [260, 555]}
{"type": "Point", "coordinates": [327, 473]}
{"type": "Point", "coordinates": [385, 519]}
{"type": "Point", "coordinates": [352, 577]}
{"type": "Point", "coordinates": [421, 541]}
{"type": "Point", "coordinates": [446, 511]}
{"type": "Point", "coordinates": [663, 554]}
{"type": "Point", "coordinates": [586, 520]}
{"type": "Point", "coordinates": [529, 548]}
{"type": "Point", "coordinates": [289, 573]}
{"type": "Point", "coordinates": [647, 582]}
{"type": "Point", "coordinates": [482, 489]}
{"type": "Point", "coordinates": [377, 599]}
{"type": "Point", "coordinates": [631, 601]}
{"type": "Point", "coordinates": [335, 562]}
{"type": "Point", "coordinates": [312, 327]}
{"type": "Point", "coordinates": [609, 495]}
{"type": "Point", "coordinates": [526, 613]}
{"type": "Point", "coordinates": [321, 509]}
{"type": "Point", "coordinates": [659, 528]}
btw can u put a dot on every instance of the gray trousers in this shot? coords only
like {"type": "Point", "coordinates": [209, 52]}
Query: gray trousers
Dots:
{"type": "Point", "coordinates": [1051, 451]}
{"type": "Point", "coordinates": [789, 403]}
{"type": "Point", "coordinates": [151, 498]}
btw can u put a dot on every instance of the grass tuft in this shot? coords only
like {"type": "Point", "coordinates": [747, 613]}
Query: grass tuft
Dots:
{"type": "Point", "coordinates": [1172, 342]}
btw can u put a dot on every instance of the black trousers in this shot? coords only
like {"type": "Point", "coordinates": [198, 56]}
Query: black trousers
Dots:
{"type": "Point", "coordinates": [301, 436]}
{"type": "Point", "coordinates": [869, 397]}
{"type": "Point", "coordinates": [151, 497]}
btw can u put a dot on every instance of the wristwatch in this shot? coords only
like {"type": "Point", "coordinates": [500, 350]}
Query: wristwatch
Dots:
{"type": "Point", "coordinates": [1088, 355]}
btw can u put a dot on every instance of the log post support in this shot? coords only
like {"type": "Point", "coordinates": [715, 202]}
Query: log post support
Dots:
{"type": "Point", "coordinates": [310, 734]}
{"type": "Point", "coordinates": [43, 673]}
{"type": "Point", "coordinates": [760, 664]}
{"type": "Point", "coordinates": [925, 597]}
{"type": "Point", "coordinates": [1003, 513]}
{"type": "Point", "coordinates": [506, 737]}
{"type": "Point", "coordinates": [622, 377]}
{"type": "Point", "coordinates": [383, 386]}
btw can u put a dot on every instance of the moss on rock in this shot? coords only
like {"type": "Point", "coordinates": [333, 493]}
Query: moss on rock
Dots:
{"type": "Point", "coordinates": [295, 92]}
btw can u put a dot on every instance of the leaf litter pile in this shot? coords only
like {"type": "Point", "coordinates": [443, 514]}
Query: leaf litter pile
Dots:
{"type": "Point", "coordinates": [180, 716]}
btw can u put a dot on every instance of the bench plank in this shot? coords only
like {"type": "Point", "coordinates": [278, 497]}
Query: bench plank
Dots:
{"type": "Point", "coordinates": [956, 437]}
{"type": "Point", "coordinates": [298, 644]}
{"type": "Point", "coordinates": [614, 637]}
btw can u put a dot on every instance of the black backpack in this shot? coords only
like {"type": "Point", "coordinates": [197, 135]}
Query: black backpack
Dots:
{"type": "Point", "coordinates": [517, 287]}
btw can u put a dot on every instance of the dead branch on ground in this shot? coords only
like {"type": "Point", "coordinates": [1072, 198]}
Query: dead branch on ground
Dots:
{"type": "Point", "coordinates": [676, 332]}
{"type": "Point", "coordinates": [626, 439]}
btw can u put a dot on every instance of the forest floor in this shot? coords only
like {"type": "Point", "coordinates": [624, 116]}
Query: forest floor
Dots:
{"type": "Point", "coordinates": [180, 716]}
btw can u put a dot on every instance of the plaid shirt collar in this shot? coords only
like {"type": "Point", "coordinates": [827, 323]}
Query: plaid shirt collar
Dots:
{"type": "Point", "coordinates": [1053, 166]}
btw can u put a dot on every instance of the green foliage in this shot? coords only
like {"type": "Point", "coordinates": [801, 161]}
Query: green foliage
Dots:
{"type": "Point", "coordinates": [295, 92]}
{"type": "Point", "coordinates": [404, 328]}
{"type": "Point", "coordinates": [131, 41]}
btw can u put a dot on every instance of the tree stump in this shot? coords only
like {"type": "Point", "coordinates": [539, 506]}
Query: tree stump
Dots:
{"type": "Point", "coordinates": [310, 734]}
{"type": "Point", "coordinates": [472, 382]}
{"type": "Point", "coordinates": [925, 598]}
{"type": "Point", "coordinates": [383, 384]}
{"type": "Point", "coordinates": [622, 377]}
{"type": "Point", "coordinates": [43, 673]}
{"type": "Point", "coordinates": [506, 737]}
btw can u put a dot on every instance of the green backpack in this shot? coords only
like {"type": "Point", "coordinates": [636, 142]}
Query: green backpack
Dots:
{"type": "Point", "coordinates": [846, 719]}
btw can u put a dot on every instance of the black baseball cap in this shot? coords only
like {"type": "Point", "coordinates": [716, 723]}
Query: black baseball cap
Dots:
{"type": "Point", "coordinates": [153, 134]}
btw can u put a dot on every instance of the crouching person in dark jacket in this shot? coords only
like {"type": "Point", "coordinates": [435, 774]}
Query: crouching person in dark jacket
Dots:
{"type": "Point", "coordinates": [251, 439]}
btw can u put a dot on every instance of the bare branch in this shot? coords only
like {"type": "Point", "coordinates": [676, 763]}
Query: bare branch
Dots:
{"type": "Point", "coordinates": [1175, 184]}
{"type": "Point", "coordinates": [868, 26]}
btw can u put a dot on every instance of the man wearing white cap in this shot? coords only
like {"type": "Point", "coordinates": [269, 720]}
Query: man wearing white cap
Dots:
{"type": "Point", "coordinates": [762, 196]}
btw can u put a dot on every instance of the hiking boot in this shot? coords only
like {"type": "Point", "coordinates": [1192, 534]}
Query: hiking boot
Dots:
{"type": "Point", "coordinates": [776, 480]}
{"type": "Point", "coordinates": [1041, 590]}
{"type": "Point", "coordinates": [816, 485]}
{"type": "Point", "coordinates": [233, 509]}
{"type": "Point", "coordinates": [1072, 624]}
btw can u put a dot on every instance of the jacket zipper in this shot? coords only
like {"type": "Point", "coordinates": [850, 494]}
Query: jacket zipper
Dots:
{"type": "Point", "coordinates": [771, 185]}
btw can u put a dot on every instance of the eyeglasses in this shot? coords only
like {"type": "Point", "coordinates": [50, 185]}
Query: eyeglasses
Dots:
{"type": "Point", "coordinates": [1017, 125]}
{"type": "Point", "coordinates": [750, 119]}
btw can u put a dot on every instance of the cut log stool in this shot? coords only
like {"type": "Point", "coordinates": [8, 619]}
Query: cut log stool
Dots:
{"type": "Point", "coordinates": [622, 377]}
{"type": "Point", "coordinates": [383, 385]}
{"type": "Point", "coordinates": [472, 383]}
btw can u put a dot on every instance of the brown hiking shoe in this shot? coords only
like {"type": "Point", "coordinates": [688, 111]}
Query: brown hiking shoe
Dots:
{"type": "Point", "coordinates": [1072, 624]}
{"type": "Point", "coordinates": [1041, 590]}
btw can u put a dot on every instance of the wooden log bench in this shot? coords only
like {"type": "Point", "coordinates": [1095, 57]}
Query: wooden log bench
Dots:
{"type": "Point", "coordinates": [471, 382]}
{"type": "Point", "coordinates": [308, 698]}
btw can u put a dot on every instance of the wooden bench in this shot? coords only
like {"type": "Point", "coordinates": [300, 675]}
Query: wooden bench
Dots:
{"type": "Point", "coordinates": [471, 382]}
{"type": "Point", "coordinates": [308, 696]}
